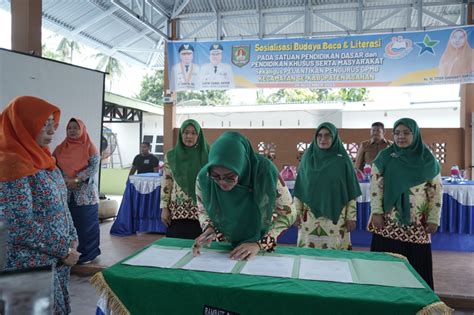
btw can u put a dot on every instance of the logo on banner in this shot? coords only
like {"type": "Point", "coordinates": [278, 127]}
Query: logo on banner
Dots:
{"type": "Point", "coordinates": [398, 48]}
{"type": "Point", "coordinates": [427, 45]}
{"type": "Point", "coordinates": [240, 55]}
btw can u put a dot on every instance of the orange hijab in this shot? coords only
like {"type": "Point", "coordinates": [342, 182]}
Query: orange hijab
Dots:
{"type": "Point", "coordinates": [456, 61]}
{"type": "Point", "coordinates": [20, 123]}
{"type": "Point", "coordinates": [73, 154]}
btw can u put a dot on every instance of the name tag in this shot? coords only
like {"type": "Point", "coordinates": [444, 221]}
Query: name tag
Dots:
{"type": "Point", "coordinates": [146, 161]}
{"type": "Point", "coordinates": [211, 310]}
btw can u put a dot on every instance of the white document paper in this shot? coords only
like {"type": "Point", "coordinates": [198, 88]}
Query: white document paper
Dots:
{"type": "Point", "coordinates": [211, 261]}
{"type": "Point", "coordinates": [276, 266]}
{"type": "Point", "coordinates": [326, 270]}
{"type": "Point", "coordinates": [155, 256]}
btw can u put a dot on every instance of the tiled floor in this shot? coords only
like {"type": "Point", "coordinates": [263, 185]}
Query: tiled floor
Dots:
{"type": "Point", "coordinates": [453, 272]}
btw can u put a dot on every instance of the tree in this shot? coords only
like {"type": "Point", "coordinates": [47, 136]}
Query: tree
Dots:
{"type": "Point", "coordinates": [66, 49]}
{"type": "Point", "coordinates": [152, 88]}
{"type": "Point", "coordinates": [353, 95]}
{"type": "Point", "coordinates": [110, 65]}
{"type": "Point", "coordinates": [152, 91]}
{"type": "Point", "coordinates": [48, 53]}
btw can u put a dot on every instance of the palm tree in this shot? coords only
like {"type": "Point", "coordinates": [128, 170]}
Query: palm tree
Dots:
{"type": "Point", "coordinates": [66, 49]}
{"type": "Point", "coordinates": [110, 65]}
{"type": "Point", "coordinates": [48, 53]}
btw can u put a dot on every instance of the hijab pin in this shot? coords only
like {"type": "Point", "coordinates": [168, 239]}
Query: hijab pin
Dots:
{"type": "Point", "coordinates": [339, 155]}
{"type": "Point", "coordinates": [394, 155]}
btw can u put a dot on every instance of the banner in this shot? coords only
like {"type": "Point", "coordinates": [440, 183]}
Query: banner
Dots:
{"type": "Point", "coordinates": [396, 59]}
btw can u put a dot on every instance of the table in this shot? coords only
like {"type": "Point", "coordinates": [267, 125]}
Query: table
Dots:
{"type": "Point", "coordinates": [456, 230]}
{"type": "Point", "coordinates": [146, 290]}
{"type": "Point", "coordinates": [140, 208]}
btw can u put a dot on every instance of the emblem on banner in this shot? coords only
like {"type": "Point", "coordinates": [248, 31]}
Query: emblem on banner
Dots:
{"type": "Point", "coordinates": [427, 45]}
{"type": "Point", "coordinates": [398, 47]}
{"type": "Point", "coordinates": [240, 55]}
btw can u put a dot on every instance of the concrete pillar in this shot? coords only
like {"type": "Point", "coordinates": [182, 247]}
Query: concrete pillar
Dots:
{"type": "Point", "coordinates": [169, 118]}
{"type": "Point", "coordinates": [26, 26]}
{"type": "Point", "coordinates": [467, 109]}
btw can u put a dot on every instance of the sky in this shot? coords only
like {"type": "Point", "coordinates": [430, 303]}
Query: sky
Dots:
{"type": "Point", "coordinates": [129, 83]}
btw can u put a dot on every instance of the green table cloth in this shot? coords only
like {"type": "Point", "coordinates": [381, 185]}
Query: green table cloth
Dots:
{"type": "Point", "coordinates": [148, 290]}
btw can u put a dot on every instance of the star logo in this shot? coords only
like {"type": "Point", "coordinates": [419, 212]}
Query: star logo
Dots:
{"type": "Point", "coordinates": [427, 45]}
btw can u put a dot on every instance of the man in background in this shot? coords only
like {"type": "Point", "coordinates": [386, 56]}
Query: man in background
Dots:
{"type": "Point", "coordinates": [216, 74]}
{"type": "Point", "coordinates": [145, 162]}
{"type": "Point", "coordinates": [369, 149]}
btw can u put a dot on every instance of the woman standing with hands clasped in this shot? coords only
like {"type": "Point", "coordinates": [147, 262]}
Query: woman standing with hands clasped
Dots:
{"type": "Point", "coordinates": [406, 194]}
{"type": "Point", "coordinates": [178, 184]}
{"type": "Point", "coordinates": [78, 159]}
{"type": "Point", "coordinates": [33, 196]}
{"type": "Point", "coordinates": [241, 199]}
{"type": "Point", "coordinates": [325, 193]}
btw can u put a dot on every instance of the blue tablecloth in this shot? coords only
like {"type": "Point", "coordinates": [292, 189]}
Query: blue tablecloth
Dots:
{"type": "Point", "coordinates": [456, 230]}
{"type": "Point", "coordinates": [140, 208]}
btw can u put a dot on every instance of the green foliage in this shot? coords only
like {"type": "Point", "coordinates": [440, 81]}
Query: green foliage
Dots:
{"type": "Point", "coordinates": [152, 91]}
{"type": "Point", "coordinates": [152, 88]}
{"type": "Point", "coordinates": [48, 53]}
{"type": "Point", "coordinates": [353, 94]}
{"type": "Point", "coordinates": [66, 48]}
{"type": "Point", "coordinates": [110, 65]}
{"type": "Point", "coordinates": [313, 95]}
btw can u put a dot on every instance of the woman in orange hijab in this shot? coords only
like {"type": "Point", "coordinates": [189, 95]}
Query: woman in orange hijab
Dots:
{"type": "Point", "coordinates": [78, 159]}
{"type": "Point", "coordinates": [457, 59]}
{"type": "Point", "coordinates": [33, 195]}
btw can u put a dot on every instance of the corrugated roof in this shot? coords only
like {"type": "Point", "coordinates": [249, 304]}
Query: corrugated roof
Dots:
{"type": "Point", "coordinates": [133, 30]}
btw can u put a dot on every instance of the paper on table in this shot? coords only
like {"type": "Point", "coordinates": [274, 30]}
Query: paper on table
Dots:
{"type": "Point", "coordinates": [276, 266]}
{"type": "Point", "coordinates": [155, 256]}
{"type": "Point", "coordinates": [212, 261]}
{"type": "Point", "coordinates": [388, 273]}
{"type": "Point", "coordinates": [326, 270]}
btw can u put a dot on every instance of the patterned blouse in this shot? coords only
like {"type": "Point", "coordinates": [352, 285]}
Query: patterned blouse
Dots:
{"type": "Point", "coordinates": [425, 207]}
{"type": "Point", "coordinates": [86, 192]}
{"type": "Point", "coordinates": [40, 225]}
{"type": "Point", "coordinates": [322, 232]}
{"type": "Point", "coordinates": [284, 215]}
{"type": "Point", "coordinates": [174, 198]}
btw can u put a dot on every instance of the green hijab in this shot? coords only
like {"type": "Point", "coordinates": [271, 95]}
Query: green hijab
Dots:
{"type": "Point", "coordinates": [326, 179]}
{"type": "Point", "coordinates": [403, 168]}
{"type": "Point", "coordinates": [244, 213]}
{"type": "Point", "coordinates": [185, 162]}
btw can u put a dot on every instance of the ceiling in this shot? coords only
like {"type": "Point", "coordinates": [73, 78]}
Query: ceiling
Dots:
{"type": "Point", "coordinates": [135, 31]}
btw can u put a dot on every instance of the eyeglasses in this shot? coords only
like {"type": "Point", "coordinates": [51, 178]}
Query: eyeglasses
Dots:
{"type": "Point", "coordinates": [404, 133]}
{"type": "Point", "coordinates": [230, 179]}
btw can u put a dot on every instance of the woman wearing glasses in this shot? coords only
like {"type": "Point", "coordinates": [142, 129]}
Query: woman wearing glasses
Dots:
{"type": "Point", "coordinates": [406, 194]}
{"type": "Point", "coordinates": [241, 199]}
{"type": "Point", "coordinates": [78, 159]}
{"type": "Point", "coordinates": [33, 196]}
{"type": "Point", "coordinates": [325, 193]}
{"type": "Point", "coordinates": [178, 184]}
